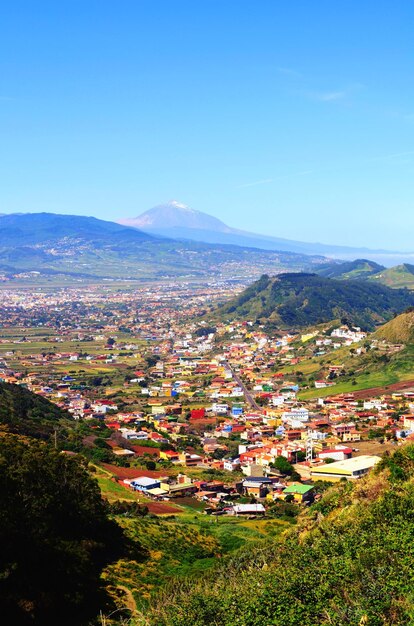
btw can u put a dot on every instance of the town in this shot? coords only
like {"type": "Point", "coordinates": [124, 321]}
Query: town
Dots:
{"type": "Point", "coordinates": [175, 410]}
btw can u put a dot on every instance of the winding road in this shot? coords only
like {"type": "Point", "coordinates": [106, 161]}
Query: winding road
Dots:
{"type": "Point", "coordinates": [249, 398]}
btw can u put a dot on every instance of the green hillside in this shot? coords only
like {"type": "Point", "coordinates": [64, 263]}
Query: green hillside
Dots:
{"type": "Point", "coordinates": [348, 561]}
{"type": "Point", "coordinates": [372, 369]}
{"type": "Point", "coordinates": [398, 330]}
{"type": "Point", "coordinates": [377, 366]}
{"type": "Point", "coordinates": [396, 277]}
{"type": "Point", "coordinates": [24, 412]}
{"type": "Point", "coordinates": [299, 300]}
{"type": "Point", "coordinates": [360, 269]}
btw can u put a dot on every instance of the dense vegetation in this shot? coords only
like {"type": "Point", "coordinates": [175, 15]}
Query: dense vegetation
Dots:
{"type": "Point", "coordinates": [349, 561]}
{"type": "Point", "coordinates": [26, 413]}
{"type": "Point", "coordinates": [55, 536]}
{"type": "Point", "coordinates": [295, 300]}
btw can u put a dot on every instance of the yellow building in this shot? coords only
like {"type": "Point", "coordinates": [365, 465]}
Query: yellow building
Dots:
{"type": "Point", "coordinates": [349, 469]}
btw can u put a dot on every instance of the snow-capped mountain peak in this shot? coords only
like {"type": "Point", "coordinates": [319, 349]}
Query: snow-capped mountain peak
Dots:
{"type": "Point", "coordinates": [175, 214]}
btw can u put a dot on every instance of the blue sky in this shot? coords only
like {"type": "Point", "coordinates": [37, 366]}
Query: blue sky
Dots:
{"type": "Point", "coordinates": [294, 119]}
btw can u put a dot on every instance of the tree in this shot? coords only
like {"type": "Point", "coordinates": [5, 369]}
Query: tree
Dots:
{"type": "Point", "coordinates": [219, 453]}
{"type": "Point", "coordinates": [300, 456]}
{"type": "Point", "coordinates": [55, 536]}
{"type": "Point", "coordinates": [283, 465]}
{"type": "Point", "coordinates": [152, 360]}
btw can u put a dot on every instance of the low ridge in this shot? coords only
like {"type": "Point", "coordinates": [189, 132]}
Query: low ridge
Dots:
{"type": "Point", "coordinates": [300, 299]}
{"type": "Point", "coordinates": [399, 330]}
{"type": "Point", "coordinates": [359, 269]}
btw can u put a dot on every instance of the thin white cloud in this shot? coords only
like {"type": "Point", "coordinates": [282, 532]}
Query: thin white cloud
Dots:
{"type": "Point", "coordinates": [395, 155]}
{"type": "Point", "coordinates": [330, 96]}
{"type": "Point", "coordinates": [265, 181]}
{"type": "Point", "coordinates": [293, 175]}
{"type": "Point", "coordinates": [273, 180]}
{"type": "Point", "coordinates": [334, 95]}
{"type": "Point", "coordinates": [288, 71]}
{"type": "Point", "coordinates": [320, 95]}
{"type": "Point", "coordinates": [303, 173]}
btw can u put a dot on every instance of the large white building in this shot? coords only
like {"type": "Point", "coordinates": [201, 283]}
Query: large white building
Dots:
{"type": "Point", "coordinates": [299, 414]}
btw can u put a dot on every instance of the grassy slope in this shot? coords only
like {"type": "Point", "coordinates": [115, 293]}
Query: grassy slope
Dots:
{"type": "Point", "coordinates": [368, 373]}
{"type": "Point", "coordinates": [178, 546]}
{"type": "Point", "coordinates": [398, 330]}
{"type": "Point", "coordinates": [349, 561]}
{"type": "Point", "coordinates": [360, 269]}
{"type": "Point", "coordinates": [181, 548]}
{"type": "Point", "coordinates": [396, 277]}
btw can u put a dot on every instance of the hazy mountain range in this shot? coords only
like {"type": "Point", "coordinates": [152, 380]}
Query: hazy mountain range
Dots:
{"type": "Point", "coordinates": [177, 220]}
{"type": "Point", "coordinates": [173, 241]}
{"type": "Point", "coordinates": [86, 247]}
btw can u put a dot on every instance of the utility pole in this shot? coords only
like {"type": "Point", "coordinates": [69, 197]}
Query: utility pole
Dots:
{"type": "Point", "coordinates": [309, 447]}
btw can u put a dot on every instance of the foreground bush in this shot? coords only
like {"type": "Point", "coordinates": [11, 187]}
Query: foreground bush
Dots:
{"type": "Point", "coordinates": [55, 536]}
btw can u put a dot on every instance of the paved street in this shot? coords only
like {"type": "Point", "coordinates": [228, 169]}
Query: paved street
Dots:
{"type": "Point", "coordinates": [249, 398]}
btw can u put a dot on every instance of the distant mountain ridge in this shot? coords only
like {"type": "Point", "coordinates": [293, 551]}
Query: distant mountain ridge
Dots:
{"type": "Point", "coordinates": [397, 277]}
{"type": "Point", "coordinates": [179, 221]}
{"type": "Point", "coordinates": [87, 248]}
{"type": "Point", "coordinates": [360, 269]}
{"type": "Point", "coordinates": [38, 228]}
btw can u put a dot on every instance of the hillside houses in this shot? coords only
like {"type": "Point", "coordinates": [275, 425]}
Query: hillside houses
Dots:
{"type": "Point", "coordinates": [146, 372]}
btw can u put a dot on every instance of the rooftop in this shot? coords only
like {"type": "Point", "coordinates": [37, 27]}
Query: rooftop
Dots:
{"type": "Point", "coordinates": [249, 508]}
{"type": "Point", "coordinates": [298, 488]}
{"type": "Point", "coordinates": [349, 466]}
{"type": "Point", "coordinates": [144, 481]}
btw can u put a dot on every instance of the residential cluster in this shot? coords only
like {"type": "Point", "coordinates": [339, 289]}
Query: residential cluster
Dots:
{"type": "Point", "coordinates": [180, 395]}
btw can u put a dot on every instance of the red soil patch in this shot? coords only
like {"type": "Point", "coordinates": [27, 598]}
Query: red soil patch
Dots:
{"type": "Point", "coordinates": [146, 450]}
{"type": "Point", "coordinates": [160, 508]}
{"type": "Point", "coordinates": [130, 472]}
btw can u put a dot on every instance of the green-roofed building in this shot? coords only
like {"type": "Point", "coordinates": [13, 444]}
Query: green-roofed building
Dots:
{"type": "Point", "coordinates": [301, 493]}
